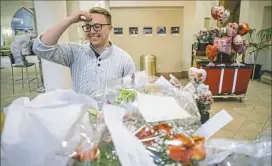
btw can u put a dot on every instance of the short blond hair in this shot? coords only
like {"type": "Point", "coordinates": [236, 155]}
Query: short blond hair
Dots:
{"type": "Point", "coordinates": [100, 10]}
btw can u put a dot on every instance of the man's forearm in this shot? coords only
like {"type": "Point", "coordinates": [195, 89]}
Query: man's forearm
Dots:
{"type": "Point", "coordinates": [51, 36]}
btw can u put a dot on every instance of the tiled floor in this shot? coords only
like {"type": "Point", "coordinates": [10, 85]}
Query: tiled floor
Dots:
{"type": "Point", "coordinates": [250, 117]}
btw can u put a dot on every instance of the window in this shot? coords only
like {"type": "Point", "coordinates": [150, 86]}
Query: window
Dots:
{"type": "Point", "coordinates": [22, 20]}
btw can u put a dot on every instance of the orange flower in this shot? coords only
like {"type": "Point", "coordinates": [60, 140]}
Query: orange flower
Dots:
{"type": "Point", "coordinates": [163, 127]}
{"type": "Point", "coordinates": [191, 148]}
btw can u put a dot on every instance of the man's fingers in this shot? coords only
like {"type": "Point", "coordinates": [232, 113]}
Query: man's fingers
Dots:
{"type": "Point", "coordinates": [87, 16]}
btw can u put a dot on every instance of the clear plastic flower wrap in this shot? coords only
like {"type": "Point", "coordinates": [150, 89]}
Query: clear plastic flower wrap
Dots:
{"type": "Point", "coordinates": [229, 152]}
{"type": "Point", "coordinates": [82, 143]}
{"type": "Point", "coordinates": [185, 99]}
{"type": "Point", "coordinates": [168, 142]}
{"type": "Point", "coordinates": [153, 135]}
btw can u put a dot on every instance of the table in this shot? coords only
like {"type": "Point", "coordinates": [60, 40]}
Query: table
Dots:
{"type": "Point", "coordinates": [5, 52]}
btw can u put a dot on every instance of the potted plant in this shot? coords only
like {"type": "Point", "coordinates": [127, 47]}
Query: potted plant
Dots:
{"type": "Point", "coordinates": [258, 42]}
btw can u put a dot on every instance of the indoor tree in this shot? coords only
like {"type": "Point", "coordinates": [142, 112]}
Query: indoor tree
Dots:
{"type": "Point", "coordinates": [258, 42]}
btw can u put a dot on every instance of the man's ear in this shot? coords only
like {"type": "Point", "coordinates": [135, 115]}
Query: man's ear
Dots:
{"type": "Point", "coordinates": [110, 27]}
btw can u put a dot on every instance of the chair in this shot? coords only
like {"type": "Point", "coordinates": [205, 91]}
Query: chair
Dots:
{"type": "Point", "coordinates": [22, 66]}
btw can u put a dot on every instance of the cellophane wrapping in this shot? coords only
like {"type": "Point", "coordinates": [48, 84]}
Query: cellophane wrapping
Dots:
{"type": "Point", "coordinates": [162, 140]}
{"type": "Point", "coordinates": [230, 152]}
{"type": "Point", "coordinates": [167, 143]}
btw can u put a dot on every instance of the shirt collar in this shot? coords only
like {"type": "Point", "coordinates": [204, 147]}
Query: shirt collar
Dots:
{"type": "Point", "coordinates": [106, 52]}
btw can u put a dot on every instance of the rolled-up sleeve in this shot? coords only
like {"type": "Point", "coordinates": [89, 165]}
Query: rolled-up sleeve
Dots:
{"type": "Point", "coordinates": [59, 53]}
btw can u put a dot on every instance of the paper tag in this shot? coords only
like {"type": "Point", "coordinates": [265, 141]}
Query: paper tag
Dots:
{"type": "Point", "coordinates": [213, 125]}
{"type": "Point", "coordinates": [160, 108]}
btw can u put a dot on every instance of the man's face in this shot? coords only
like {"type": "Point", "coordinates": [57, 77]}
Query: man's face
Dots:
{"type": "Point", "coordinates": [100, 37]}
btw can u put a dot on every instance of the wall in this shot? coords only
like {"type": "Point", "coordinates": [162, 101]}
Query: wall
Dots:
{"type": "Point", "coordinates": [203, 9]}
{"type": "Point", "coordinates": [74, 35]}
{"type": "Point", "coordinates": [167, 48]}
{"type": "Point", "coordinates": [254, 13]}
{"type": "Point", "coordinates": [8, 9]}
{"type": "Point", "coordinates": [194, 14]}
{"type": "Point", "coordinates": [75, 30]}
{"type": "Point", "coordinates": [265, 57]}
{"type": "Point", "coordinates": [55, 76]}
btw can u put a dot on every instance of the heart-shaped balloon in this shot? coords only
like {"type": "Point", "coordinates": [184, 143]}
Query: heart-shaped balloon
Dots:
{"type": "Point", "coordinates": [211, 52]}
{"type": "Point", "coordinates": [232, 29]}
{"type": "Point", "coordinates": [213, 12]}
{"type": "Point", "coordinates": [238, 40]}
{"type": "Point", "coordinates": [240, 49]}
{"type": "Point", "coordinates": [243, 28]}
{"type": "Point", "coordinates": [223, 44]}
{"type": "Point", "coordinates": [225, 16]}
{"type": "Point", "coordinates": [220, 13]}
{"type": "Point", "coordinates": [197, 75]}
{"type": "Point", "coordinates": [217, 12]}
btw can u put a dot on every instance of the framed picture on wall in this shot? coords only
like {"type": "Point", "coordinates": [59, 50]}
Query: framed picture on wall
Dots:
{"type": "Point", "coordinates": [161, 30]}
{"type": "Point", "coordinates": [174, 30]}
{"type": "Point", "coordinates": [118, 31]}
{"type": "Point", "coordinates": [147, 31]}
{"type": "Point", "coordinates": [133, 31]}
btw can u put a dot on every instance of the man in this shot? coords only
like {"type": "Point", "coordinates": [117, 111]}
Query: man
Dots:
{"type": "Point", "coordinates": [92, 65]}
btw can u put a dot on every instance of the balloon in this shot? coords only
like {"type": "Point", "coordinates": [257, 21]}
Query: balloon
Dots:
{"type": "Point", "coordinates": [223, 30]}
{"type": "Point", "coordinates": [238, 40]}
{"type": "Point", "coordinates": [240, 49]}
{"type": "Point", "coordinates": [213, 12]}
{"type": "Point", "coordinates": [197, 75]}
{"type": "Point", "coordinates": [211, 52]}
{"type": "Point", "coordinates": [220, 13]}
{"type": "Point", "coordinates": [217, 12]}
{"type": "Point", "coordinates": [243, 28]}
{"type": "Point", "coordinates": [223, 44]}
{"type": "Point", "coordinates": [225, 16]}
{"type": "Point", "coordinates": [232, 29]}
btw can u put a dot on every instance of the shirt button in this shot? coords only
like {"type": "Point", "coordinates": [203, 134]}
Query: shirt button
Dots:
{"type": "Point", "coordinates": [98, 64]}
{"type": "Point", "coordinates": [99, 59]}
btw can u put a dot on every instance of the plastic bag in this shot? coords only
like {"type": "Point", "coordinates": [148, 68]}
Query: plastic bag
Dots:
{"type": "Point", "coordinates": [34, 129]}
{"type": "Point", "coordinates": [228, 152]}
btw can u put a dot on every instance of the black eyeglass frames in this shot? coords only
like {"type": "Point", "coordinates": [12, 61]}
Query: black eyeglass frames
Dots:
{"type": "Point", "coordinates": [96, 27]}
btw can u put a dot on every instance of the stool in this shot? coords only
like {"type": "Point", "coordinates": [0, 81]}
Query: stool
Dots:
{"type": "Point", "coordinates": [22, 66]}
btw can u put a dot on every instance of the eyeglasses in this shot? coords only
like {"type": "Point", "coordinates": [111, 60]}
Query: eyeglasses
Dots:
{"type": "Point", "coordinates": [96, 27]}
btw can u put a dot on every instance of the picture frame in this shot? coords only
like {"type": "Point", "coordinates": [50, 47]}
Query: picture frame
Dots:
{"type": "Point", "coordinates": [118, 31]}
{"type": "Point", "coordinates": [161, 30]}
{"type": "Point", "coordinates": [133, 31]}
{"type": "Point", "coordinates": [148, 31]}
{"type": "Point", "coordinates": [175, 30]}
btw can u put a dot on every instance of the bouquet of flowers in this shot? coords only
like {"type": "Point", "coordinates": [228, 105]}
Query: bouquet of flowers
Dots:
{"type": "Point", "coordinates": [202, 94]}
{"type": "Point", "coordinates": [204, 101]}
{"type": "Point", "coordinates": [207, 36]}
{"type": "Point", "coordinates": [166, 142]}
